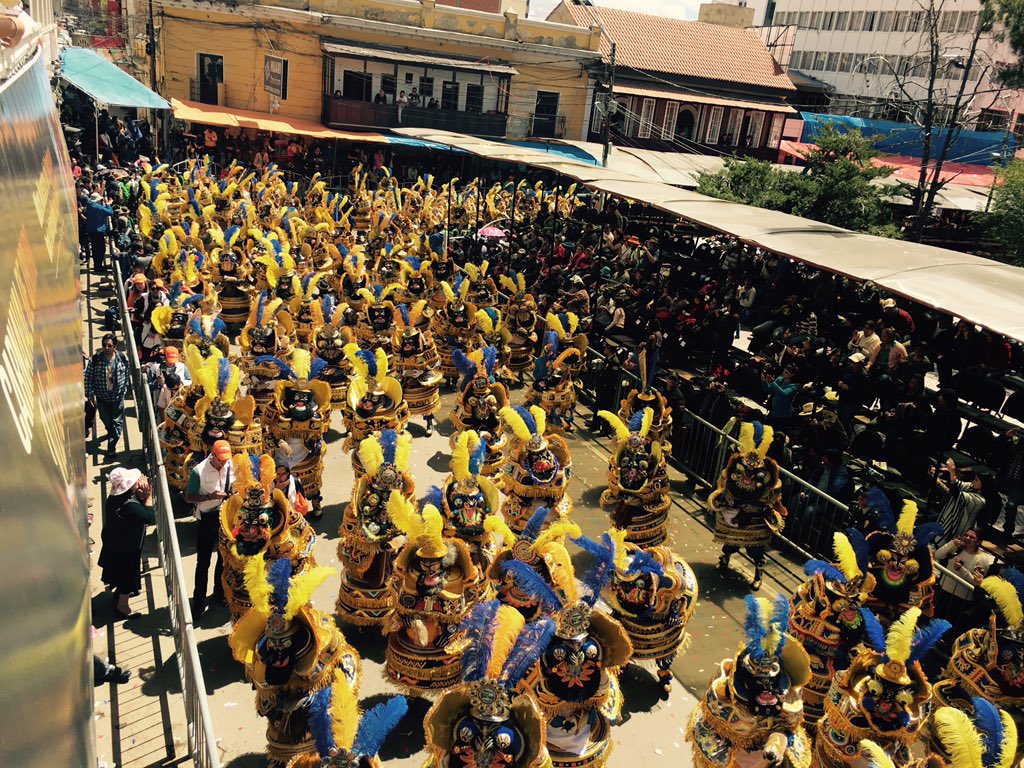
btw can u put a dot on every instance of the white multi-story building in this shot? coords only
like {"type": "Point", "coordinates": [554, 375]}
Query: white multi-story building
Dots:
{"type": "Point", "coordinates": [875, 55]}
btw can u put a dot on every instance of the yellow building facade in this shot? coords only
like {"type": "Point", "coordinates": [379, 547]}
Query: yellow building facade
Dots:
{"type": "Point", "coordinates": [347, 63]}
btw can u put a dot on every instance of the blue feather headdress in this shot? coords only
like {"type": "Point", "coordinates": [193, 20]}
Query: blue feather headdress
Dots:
{"type": "Point", "coordinates": [860, 548]}
{"type": "Point", "coordinates": [601, 572]}
{"type": "Point", "coordinates": [377, 724]}
{"type": "Point", "coordinates": [828, 571]}
{"type": "Point", "coordinates": [1016, 578]}
{"type": "Point", "coordinates": [464, 365]}
{"type": "Point", "coordinates": [327, 305]}
{"type": "Point", "coordinates": [766, 634]}
{"type": "Point", "coordinates": [478, 629]}
{"type": "Point", "coordinates": [279, 577]}
{"type": "Point", "coordinates": [261, 305]}
{"type": "Point", "coordinates": [403, 310]}
{"type": "Point", "coordinates": [642, 562]}
{"type": "Point", "coordinates": [287, 371]}
{"type": "Point", "coordinates": [223, 374]}
{"type": "Point", "coordinates": [389, 445]}
{"type": "Point", "coordinates": [990, 727]}
{"type": "Point", "coordinates": [414, 263]}
{"type": "Point", "coordinates": [874, 632]}
{"type": "Point", "coordinates": [434, 497]}
{"type": "Point", "coordinates": [490, 355]}
{"type": "Point", "coordinates": [370, 358]}
{"type": "Point", "coordinates": [527, 417]}
{"type": "Point", "coordinates": [879, 502]}
{"type": "Point", "coordinates": [532, 583]}
{"type": "Point", "coordinates": [477, 457]}
{"type": "Point", "coordinates": [927, 638]}
{"type": "Point", "coordinates": [636, 421]}
{"type": "Point", "coordinates": [535, 525]}
{"type": "Point", "coordinates": [487, 629]}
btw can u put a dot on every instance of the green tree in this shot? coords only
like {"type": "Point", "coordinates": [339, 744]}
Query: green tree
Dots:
{"type": "Point", "coordinates": [1004, 220]}
{"type": "Point", "coordinates": [837, 186]}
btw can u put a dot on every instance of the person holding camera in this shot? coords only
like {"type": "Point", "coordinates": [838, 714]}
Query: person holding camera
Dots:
{"type": "Point", "coordinates": [967, 560]}
{"type": "Point", "coordinates": [208, 485]}
{"type": "Point", "coordinates": [127, 513]}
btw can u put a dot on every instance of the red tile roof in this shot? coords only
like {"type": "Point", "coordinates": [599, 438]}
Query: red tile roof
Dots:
{"type": "Point", "coordinates": [687, 48]}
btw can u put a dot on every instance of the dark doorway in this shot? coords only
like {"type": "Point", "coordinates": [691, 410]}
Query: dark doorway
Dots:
{"type": "Point", "coordinates": [450, 95]}
{"type": "Point", "coordinates": [545, 114]}
{"type": "Point", "coordinates": [211, 74]}
{"type": "Point", "coordinates": [685, 125]}
{"type": "Point", "coordinates": [357, 86]}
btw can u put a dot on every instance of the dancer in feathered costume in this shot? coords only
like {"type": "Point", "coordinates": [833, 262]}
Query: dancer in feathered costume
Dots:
{"type": "Point", "coordinates": [982, 736]}
{"type": "Point", "coordinates": [454, 326]}
{"type": "Point", "coordinates": [555, 372]}
{"type": "Point", "coordinates": [415, 362]}
{"type": "Point", "coordinates": [377, 319]}
{"type": "Point", "coordinates": [483, 290]}
{"type": "Point", "coordinates": [539, 546]}
{"type": "Point", "coordinates": [220, 414]}
{"type": "Point", "coordinates": [365, 550]}
{"type": "Point", "coordinates": [883, 695]}
{"type": "Point", "coordinates": [826, 616]}
{"type": "Point", "coordinates": [576, 682]}
{"type": "Point", "coordinates": [179, 419]}
{"type": "Point", "coordinates": [329, 344]}
{"type": "Point", "coordinates": [345, 736]}
{"type": "Point", "coordinates": [487, 720]}
{"type": "Point", "coordinates": [167, 325]}
{"type": "Point", "coordinates": [637, 480]}
{"type": "Point", "coordinates": [417, 280]}
{"type": "Point", "coordinates": [646, 396]}
{"type": "Point", "coordinates": [491, 325]}
{"type": "Point", "coordinates": [351, 275]}
{"type": "Point", "coordinates": [467, 500]}
{"type": "Point", "coordinates": [267, 333]}
{"type": "Point", "coordinates": [257, 521]}
{"type": "Point", "coordinates": [751, 715]}
{"type": "Point", "coordinates": [231, 272]}
{"type": "Point", "coordinates": [307, 311]}
{"type": "Point", "coordinates": [521, 320]}
{"type": "Point", "coordinates": [207, 331]}
{"type": "Point", "coordinates": [988, 661]}
{"type": "Point", "coordinates": [432, 580]}
{"type": "Point", "coordinates": [653, 593]}
{"type": "Point", "coordinates": [538, 469]}
{"type": "Point", "coordinates": [901, 561]}
{"type": "Point", "coordinates": [297, 420]}
{"type": "Point", "coordinates": [374, 402]}
{"type": "Point", "coordinates": [748, 501]}
{"type": "Point", "coordinates": [481, 398]}
{"type": "Point", "coordinates": [291, 651]}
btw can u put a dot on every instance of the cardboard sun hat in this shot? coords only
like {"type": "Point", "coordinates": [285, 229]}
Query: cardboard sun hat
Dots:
{"type": "Point", "coordinates": [139, 279]}
{"type": "Point", "coordinates": [857, 357]}
{"type": "Point", "coordinates": [123, 480]}
{"type": "Point", "coordinates": [887, 303]}
{"type": "Point", "coordinates": [633, 240]}
{"type": "Point", "coordinates": [95, 197]}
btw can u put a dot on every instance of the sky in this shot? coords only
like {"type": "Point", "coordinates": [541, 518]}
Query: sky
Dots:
{"type": "Point", "coordinates": [680, 9]}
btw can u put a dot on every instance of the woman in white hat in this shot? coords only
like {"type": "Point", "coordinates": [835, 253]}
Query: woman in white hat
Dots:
{"type": "Point", "coordinates": [127, 513]}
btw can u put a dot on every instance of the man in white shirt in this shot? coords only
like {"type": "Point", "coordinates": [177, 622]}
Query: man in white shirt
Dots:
{"type": "Point", "coordinates": [208, 485]}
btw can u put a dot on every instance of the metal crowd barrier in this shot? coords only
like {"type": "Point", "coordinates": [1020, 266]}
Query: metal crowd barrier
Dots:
{"type": "Point", "coordinates": [201, 741]}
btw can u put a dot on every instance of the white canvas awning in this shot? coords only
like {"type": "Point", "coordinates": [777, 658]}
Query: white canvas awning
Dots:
{"type": "Point", "coordinates": [985, 292]}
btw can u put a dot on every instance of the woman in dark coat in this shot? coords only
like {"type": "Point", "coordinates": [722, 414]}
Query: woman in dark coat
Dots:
{"type": "Point", "coordinates": [127, 513]}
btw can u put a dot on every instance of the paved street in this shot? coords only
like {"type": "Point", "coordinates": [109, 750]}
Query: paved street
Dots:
{"type": "Point", "coordinates": [142, 724]}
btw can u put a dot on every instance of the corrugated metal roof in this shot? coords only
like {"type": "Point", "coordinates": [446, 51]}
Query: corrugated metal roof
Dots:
{"type": "Point", "coordinates": [413, 57]}
{"type": "Point", "coordinates": [690, 48]}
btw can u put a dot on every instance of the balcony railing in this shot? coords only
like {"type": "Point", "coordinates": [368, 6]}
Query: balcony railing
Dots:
{"type": "Point", "coordinates": [547, 126]}
{"type": "Point", "coordinates": [350, 112]}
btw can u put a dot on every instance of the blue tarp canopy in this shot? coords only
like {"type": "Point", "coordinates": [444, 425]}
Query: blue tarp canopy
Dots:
{"type": "Point", "coordinates": [975, 147]}
{"type": "Point", "coordinates": [104, 82]}
{"type": "Point", "coordinates": [559, 150]}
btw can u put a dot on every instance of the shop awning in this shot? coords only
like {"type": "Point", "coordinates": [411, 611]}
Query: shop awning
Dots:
{"type": "Point", "coordinates": [679, 94]}
{"type": "Point", "coordinates": [102, 81]}
{"type": "Point", "coordinates": [981, 291]}
{"type": "Point", "coordinates": [411, 57]}
{"type": "Point", "coordinates": [212, 114]}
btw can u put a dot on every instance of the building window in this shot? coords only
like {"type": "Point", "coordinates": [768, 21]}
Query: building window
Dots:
{"type": "Point", "coordinates": [804, 19]}
{"type": "Point", "coordinates": [856, 61]}
{"type": "Point", "coordinates": [754, 129]}
{"type": "Point", "coordinates": [357, 86]}
{"type": "Point", "coordinates": [869, 21]}
{"type": "Point", "coordinates": [915, 22]}
{"type": "Point", "coordinates": [474, 98]}
{"type": "Point", "coordinates": [775, 134]}
{"type": "Point", "coordinates": [844, 63]}
{"type": "Point", "coordinates": [714, 125]}
{"type": "Point", "coordinates": [388, 84]}
{"type": "Point", "coordinates": [947, 21]}
{"type": "Point", "coordinates": [450, 95]}
{"type": "Point", "coordinates": [815, 19]}
{"type": "Point", "coordinates": [967, 22]}
{"type": "Point", "coordinates": [668, 124]}
{"type": "Point", "coordinates": [1018, 128]}
{"type": "Point", "coordinates": [426, 89]}
{"type": "Point", "coordinates": [884, 22]}
{"type": "Point", "coordinates": [856, 20]}
{"type": "Point", "coordinates": [646, 119]}
{"type": "Point", "coordinates": [819, 60]}
{"type": "Point", "coordinates": [828, 21]}
{"type": "Point", "coordinates": [842, 20]}
{"type": "Point", "coordinates": [832, 62]}
{"type": "Point", "coordinates": [734, 127]}
{"type": "Point", "coordinates": [992, 120]}
{"type": "Point", "coordinates": [900, 21]}
{"type": "Point", "coordinates": [597, 113]}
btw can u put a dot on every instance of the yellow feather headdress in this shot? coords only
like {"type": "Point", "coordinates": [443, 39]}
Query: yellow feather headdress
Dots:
{"type": "Point", "coordinates": [1006, 599]}
{"type": "Point", "coordinates": [901, 635]}
{"type": "Point", "coordinates": [748, 439]}
{"type": "Point", "coordinates": [846, 557]}
{"type": "Point", "coordinates": [508, 625]}
{"type": "Point", "coordinates": [465, 443]}
{"type": "Point", "coordinates": [908, 517]}
{"type": "Point", "coordinates": [876, 756]}
{"type": "Point", "coordinates": [959, 736]}
{"type": "Point", "coordinates": [617, 424]}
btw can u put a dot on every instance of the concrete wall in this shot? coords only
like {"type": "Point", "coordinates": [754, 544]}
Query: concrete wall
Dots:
{"type": "Point", "coordinates": [726, 15]}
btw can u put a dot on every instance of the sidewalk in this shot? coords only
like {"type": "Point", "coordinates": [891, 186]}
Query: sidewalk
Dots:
{"type": "Point", "coordinates": [141, 723]}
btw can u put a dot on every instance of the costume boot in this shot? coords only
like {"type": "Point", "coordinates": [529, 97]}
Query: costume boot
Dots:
{"type": "Point", "coordinates": [758, 577]}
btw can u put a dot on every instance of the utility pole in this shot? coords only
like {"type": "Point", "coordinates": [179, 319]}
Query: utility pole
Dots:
{"type": "Point", "coordinates": [609, 101]}
{"type": "Point", "coordinates": [151, 47]}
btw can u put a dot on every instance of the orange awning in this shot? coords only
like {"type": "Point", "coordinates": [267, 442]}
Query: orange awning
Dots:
{"type": "Point", "coordinates": [211, 114]}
